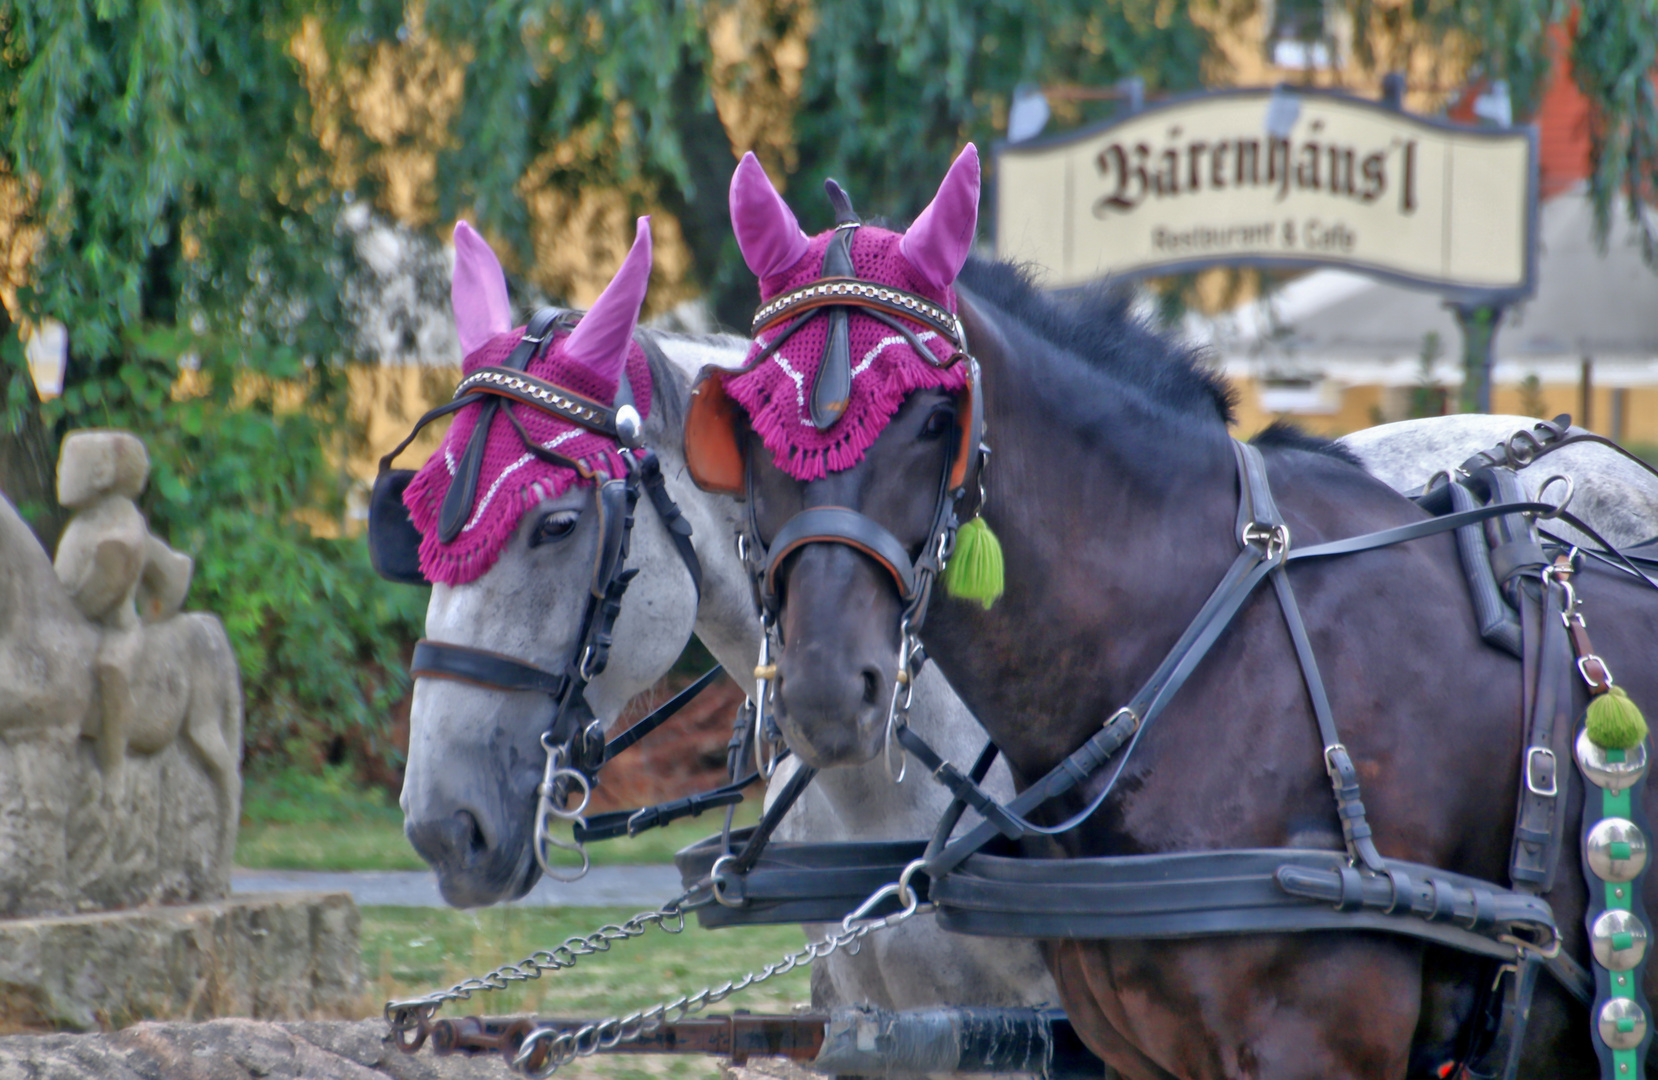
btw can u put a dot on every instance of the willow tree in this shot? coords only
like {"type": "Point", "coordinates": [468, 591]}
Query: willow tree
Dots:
{"type": "Point", "coordinates": [170, 205]}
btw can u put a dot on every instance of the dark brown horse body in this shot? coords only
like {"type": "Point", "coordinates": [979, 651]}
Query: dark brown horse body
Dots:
{"type": "Point", "coordinates": [1113, 490]}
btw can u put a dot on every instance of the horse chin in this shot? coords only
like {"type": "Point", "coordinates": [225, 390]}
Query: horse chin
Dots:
{"type": "Point", "coordinates": [832, 745]}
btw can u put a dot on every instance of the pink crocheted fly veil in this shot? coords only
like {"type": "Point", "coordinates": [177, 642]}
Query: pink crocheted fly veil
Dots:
{"type": "Point", "coordinates": [587, 360]}
{"type": "Point", "coordinates": [885, 368]}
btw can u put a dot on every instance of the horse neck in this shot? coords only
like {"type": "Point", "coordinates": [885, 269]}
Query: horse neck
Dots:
{"type": "Point", "coordinates": [1114, 527]}
{"type": "Point", "coordinates": [726, 622]}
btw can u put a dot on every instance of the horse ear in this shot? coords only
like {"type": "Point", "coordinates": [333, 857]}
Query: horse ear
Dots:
{"type": "Point", "coordinates": [478, 291]}
{"type": "Point", "coordinates": [938, 243]}
{"type": "Point", "coordinates": [767, 233]}
{"type": "Point", "coordinates": [600, 341]}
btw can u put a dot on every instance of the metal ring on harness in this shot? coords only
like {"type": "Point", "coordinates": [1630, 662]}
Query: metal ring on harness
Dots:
{"type": "Point", "coordinates": [1560, 508]}
{"type": "Point", "coordinates": [553, 772]}
{"type": "Point", "coordinates": [716, 879]}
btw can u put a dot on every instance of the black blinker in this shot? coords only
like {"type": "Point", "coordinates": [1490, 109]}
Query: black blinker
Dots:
{"type": "Point", "coordinates": [393, 540]}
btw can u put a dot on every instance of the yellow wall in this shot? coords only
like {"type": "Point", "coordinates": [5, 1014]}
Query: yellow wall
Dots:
{"type": "Point", "coordinates": [1362, 406]}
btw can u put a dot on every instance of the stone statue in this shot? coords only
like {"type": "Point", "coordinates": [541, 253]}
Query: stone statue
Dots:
{"type": "Point", "coordinates": [101, 803]}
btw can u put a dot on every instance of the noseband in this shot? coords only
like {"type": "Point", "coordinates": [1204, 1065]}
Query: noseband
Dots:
{"type": "Point", "coordinates": [575, 752]}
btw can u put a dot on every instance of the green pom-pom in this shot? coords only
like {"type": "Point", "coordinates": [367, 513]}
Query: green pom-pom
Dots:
{"type": "Point", "coordinates": [1614, 722]}
{"type": "Point", "coordinates": [974, 571]}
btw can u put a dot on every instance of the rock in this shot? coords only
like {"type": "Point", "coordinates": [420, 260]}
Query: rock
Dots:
{"type": "Point", "coordinates": [92, 464]}
{"type": "Point", "coordinates": [283, 956]}
{"type": "Point", "coordinates": [120, 714]}
{"type": "Point", "coordinates": [233, 1050]}
{"type": "Point", "coordinates": [753, 1069]}
{"type": "Point", "coordinates": [165, 583]}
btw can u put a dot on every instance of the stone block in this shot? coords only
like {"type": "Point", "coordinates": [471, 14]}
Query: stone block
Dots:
{"type": "Point", "coordinates": [238, 1050]}
{"type": "Point", "coordinates": [277, 956]}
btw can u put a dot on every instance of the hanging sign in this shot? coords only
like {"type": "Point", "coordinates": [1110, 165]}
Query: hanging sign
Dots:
{"type": "Point", "coordinates": [1276, 178]}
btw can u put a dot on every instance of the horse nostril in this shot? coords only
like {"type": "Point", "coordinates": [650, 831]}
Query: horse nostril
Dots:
{"type": "Point", "coordinates": [872, 687]}
{"type": "Point", "coordinates": [470, 831]}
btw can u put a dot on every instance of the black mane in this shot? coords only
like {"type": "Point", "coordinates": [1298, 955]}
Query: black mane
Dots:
{"type": "Point", "coordinates": [1285, 435]}
{"type": "Point", "coordinates": [1097, 326]}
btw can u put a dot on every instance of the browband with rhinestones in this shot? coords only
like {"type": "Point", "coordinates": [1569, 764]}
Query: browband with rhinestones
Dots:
{"type": "Point", "coordinates": [542, 395]}
{"type": "Point", "coordinates": [830, 291]}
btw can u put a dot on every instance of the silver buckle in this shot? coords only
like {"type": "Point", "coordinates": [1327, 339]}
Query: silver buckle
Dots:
{"type": "Point", "coordinates": [1554, 774]}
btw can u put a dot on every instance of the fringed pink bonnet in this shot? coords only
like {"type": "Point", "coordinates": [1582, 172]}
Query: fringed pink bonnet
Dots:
{"type": "Point", "coordinates": [885, 370]}
{"type": "Point", "coordinates": [588, 361]}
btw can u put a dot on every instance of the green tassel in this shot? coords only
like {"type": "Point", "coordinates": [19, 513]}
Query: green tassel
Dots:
{"type": "Point", "coordinates": [974, 571]}
{"type": "Point", "coordinates": [1614, 722]}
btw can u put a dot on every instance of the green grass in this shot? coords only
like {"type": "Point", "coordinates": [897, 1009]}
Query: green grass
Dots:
{"type": "Point", "coordinates": [300, 821]}
{"type": "Point", "coordinates": [408, 951]}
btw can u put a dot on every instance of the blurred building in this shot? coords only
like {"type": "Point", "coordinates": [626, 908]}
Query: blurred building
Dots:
{"type": "Point", "coordinates": [1336, 351]}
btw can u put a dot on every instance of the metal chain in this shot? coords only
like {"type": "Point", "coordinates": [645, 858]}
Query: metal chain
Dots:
{"type": "Point", "coordinates": [564, 1046]}
{"type": "Point", "coordinates": [413, 1014]}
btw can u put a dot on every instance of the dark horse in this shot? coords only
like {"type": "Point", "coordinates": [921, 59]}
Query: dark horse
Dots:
{"type": "Point", "coordinates": [1113, 488]}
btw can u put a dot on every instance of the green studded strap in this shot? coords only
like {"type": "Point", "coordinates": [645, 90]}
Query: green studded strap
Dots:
{"type": "Point", "coordinates": [1615, 857]}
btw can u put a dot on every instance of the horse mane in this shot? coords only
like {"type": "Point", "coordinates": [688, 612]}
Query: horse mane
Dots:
{"type": "Point", "coordinates": [1282, 434]}
{"type": "Point", "coordinates": [1097, 326]}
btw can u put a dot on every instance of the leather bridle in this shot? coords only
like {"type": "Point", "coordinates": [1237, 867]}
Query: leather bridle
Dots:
{"type": "Point", "coordinates": [575, 750]}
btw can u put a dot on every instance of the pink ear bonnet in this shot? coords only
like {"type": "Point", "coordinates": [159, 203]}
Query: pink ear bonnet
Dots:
{"type": "Point", "coordinates": [588, 360]}
{"type": "Point", "coordinates": [806, 440]}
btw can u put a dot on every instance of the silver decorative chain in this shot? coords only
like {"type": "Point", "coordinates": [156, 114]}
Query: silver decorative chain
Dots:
{"type": "Point", "coordinates": [413, 1013]}
{"type": "Point", "coordinates": [564, 1046]}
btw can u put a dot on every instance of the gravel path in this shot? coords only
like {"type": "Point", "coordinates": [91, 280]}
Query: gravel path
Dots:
{"type": "Point", "coordinates": [604, 886]}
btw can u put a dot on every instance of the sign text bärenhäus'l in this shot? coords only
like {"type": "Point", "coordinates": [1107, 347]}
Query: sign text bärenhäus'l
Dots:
{"type": "Point", "coordinates": [1202, 181]}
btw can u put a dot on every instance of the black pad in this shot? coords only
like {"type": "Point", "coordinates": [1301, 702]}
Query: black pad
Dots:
{"type": "Point", "coordinates": [393, 540]}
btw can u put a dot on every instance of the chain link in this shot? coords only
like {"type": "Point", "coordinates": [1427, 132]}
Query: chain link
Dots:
{"type": "Point", "coordinates": [563, 1046]}
{"type": "Point", "coordinates": [413, 1014]}
{"type": "Point", "coordinates": [545, 1050]}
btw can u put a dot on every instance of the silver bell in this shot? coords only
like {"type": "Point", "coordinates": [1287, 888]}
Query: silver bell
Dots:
{"type": "Point", "coordinates": [629, 426]}
{"type": "Point", "coordinates": [1614, 776]}
{"type": "Point", "coordinates": [1616, 850]}
{"type": "Point", "coordinates": [1618, 940]}
{"type": "Point", "coordinates": [1622, 1024]}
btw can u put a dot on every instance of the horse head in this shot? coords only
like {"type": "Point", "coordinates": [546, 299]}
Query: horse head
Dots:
{"type": "Point", "coordinates": [516, 571]}
{"type": "Point", "coordinates": [858, 356]}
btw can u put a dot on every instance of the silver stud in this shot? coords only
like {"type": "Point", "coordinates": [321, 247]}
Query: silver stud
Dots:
{"type": "Point", "coordinates": [1614, 776]}
{"type": "Point", "coordinates": [1618, 940]}
{"type": "Point", "coordinates": [1615, 850]}
{"type": "Point", "coordinates": [629, 426]}
{"type": "Point", "coordinates": [1622, 1024]}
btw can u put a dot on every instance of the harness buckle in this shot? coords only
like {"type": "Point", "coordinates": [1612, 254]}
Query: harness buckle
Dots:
{"type": "Point", "coordinates": [1533, 757]}
{"type": "Point", "coordinates": [1274, 539]}
{"type": "Point", "coordinates": [1601, 684]}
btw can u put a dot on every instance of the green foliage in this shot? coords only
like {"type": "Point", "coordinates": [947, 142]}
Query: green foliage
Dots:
{"type": "Point", "coordinates": [189, 233]}
{"type": "Point", "coordinates": [1615, 58]}
{"type": "Point", "coordinates": [895, 87]}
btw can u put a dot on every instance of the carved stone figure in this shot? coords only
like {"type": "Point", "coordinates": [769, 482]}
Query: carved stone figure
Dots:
{"type": "Point", "coordinates": [101, 804]}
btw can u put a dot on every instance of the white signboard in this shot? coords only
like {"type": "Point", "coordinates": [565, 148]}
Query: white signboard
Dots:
{"type": "Point", "coordinates": [1275, 178]}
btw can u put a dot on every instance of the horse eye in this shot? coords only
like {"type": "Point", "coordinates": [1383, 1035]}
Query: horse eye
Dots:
{"type": "Point", "coordinates": [939, 423]}
{"type": "Point", "coordinates": [554, 527]}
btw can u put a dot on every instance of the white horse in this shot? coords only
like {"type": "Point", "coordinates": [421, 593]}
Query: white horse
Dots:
{"type": "Point", "coordinates": [475, 759]}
